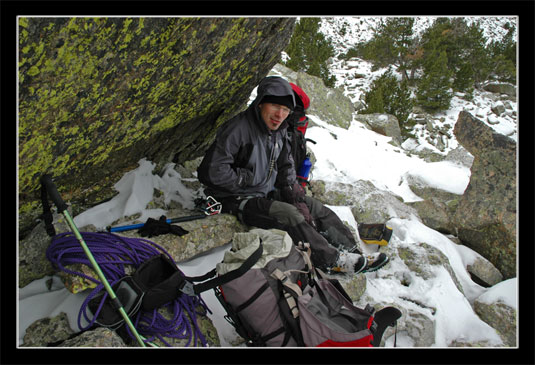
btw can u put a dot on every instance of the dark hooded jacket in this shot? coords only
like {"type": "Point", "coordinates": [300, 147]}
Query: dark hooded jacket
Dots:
{"type": "Point", "coordinates": [247, 158]}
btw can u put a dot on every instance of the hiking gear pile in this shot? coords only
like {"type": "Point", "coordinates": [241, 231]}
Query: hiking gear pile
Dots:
{"type": "Point", "coordinates": [48, 188]}
{"type": "Point", "coordinates": [271, 291]}
{"type": "Point", "coordinates": [282, 300]}
{"type": "Point", "coordinates": [156, 283]}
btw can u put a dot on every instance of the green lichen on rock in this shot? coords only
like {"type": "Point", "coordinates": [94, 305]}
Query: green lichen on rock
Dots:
{"type": "Point", "coordinates": [98, 94]}
{"type": "Point", "coordinates": [486, 213]}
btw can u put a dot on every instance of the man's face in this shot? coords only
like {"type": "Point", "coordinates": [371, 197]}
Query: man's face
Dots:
{"type": "Point", "coordinates": [273, 114]}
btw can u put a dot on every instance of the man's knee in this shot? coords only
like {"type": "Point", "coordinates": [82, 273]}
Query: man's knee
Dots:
{"type": "Point", "coordinates": [285, 213]}
{"type": "Point", "coordinates": [315, 207]}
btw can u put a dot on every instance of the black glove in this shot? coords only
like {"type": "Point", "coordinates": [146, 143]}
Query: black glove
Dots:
{"type": "Point", "coordinates": [303, 209]}
{"type": "Point", "coordinates": [155, 227]}
{"type": "Point", "coordinates": [293, 193]}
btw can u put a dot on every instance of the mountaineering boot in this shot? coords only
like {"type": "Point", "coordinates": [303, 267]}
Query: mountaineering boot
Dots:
{"type": "Point", "coordinates": [353, 263]}
{"type": "Point", "coordinates": [350, 263]}
{"type": "Point", "coordinates": [375, 261]}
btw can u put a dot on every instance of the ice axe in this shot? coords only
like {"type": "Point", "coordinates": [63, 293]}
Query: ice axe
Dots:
{"type": "Point", "coordinates": [212, 207]}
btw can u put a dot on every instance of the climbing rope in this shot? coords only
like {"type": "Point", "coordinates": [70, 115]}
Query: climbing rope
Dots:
{"type": "Point", "coordinates": [113, 253]}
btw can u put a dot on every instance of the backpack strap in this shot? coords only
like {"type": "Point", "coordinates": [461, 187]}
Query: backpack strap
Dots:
{"type": "Point", "coordinates": [340, 311]}
{"type": "Point", "coordinates": [195, 289]}
{"type": "Point", "coordinates": [290, 288]}
{"type": "Point", "coordinates": [386, 317]}
{"type": "Point", "coordinates": [288, 308]}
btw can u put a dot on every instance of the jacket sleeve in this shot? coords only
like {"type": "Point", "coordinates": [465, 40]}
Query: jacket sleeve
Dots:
{"type": "Point", "coordinates": [286, 174]}
{"type": "Point", "coordinates": [220, 169]}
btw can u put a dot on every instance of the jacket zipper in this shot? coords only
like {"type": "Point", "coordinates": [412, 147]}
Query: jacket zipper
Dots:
{"type": "Point", "coordinates": [272, 159]}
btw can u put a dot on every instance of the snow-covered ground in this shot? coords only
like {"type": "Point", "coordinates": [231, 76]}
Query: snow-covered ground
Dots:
{"type": "Point", "coordinates": [384, 165]}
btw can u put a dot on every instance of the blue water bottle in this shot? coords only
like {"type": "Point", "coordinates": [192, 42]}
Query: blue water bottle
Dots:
{"type": "Point", "coordinates": [304, 171]}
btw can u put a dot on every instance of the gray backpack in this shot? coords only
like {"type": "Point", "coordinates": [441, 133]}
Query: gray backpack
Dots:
{"type": "Point", "coordinates": [274, 297]}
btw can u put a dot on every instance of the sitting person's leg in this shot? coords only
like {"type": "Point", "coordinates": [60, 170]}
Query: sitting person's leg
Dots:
{"type": "Point", "coordinates": [265, 213]}
{"type": "Point", "coordinates": [323, 254]}
{"type": "Point", "coordinates": [331, 227]}
{"type": "Point", "coordinates": [339, 235]}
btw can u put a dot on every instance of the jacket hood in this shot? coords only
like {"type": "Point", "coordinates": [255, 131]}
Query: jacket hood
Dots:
{"type": "Point", "coordinates": [272, 85]}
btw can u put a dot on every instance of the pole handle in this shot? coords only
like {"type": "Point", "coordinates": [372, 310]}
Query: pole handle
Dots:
{"type": "Point", "coordinates": [53, 192]}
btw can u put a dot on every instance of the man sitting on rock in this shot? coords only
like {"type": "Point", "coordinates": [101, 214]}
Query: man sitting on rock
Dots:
{"type": "Point", "coordinates": [251, 159]}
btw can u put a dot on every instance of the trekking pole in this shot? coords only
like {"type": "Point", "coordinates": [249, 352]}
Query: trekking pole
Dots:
{"type": "Point", "coordinates": [213, 207]}
{"type": "Point", "coordinates": [62, 207]}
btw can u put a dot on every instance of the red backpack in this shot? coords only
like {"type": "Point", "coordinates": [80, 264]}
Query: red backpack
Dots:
{"type": "Point", "coordinates": [298, 124]}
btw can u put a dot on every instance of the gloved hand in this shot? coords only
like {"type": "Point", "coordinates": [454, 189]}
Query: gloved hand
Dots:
{"type": "Point", "coordinates": [293, 193]}
{"type": "Point", "coordinates": [303, 209]}
{"type": "Point", "coordinates": [155, 227]}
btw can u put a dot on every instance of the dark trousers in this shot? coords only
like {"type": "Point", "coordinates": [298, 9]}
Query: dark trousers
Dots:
{"type": "Point", "coordinates": [329, 235]}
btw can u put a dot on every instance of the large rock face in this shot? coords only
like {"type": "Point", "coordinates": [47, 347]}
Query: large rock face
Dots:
{"type": "Point", "coordinates": [486, 214]}
{"type": "Point", "coordinates": [98, 94]}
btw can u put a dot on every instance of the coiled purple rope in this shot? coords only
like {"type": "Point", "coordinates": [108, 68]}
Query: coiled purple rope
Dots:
{"type": "Point", "coordinates": [113, 253]}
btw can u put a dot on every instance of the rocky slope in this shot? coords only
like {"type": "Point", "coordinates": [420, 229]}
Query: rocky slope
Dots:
{"type": "Point", "coordinates": [439, 210]}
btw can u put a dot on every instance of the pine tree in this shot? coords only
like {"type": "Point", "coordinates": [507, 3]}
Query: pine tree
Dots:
{"type": "Point", "coordinates": [464, 78]}
{"type": "Point", "coordinates": [374, 100]}
{"type": "Point", "coordinates": [434, 88]}
{"type": "Point", "coordinates": [387, 95]}
{"type": "Point", "coordinates": [392, 43]}
{"type": "Point", "coordinates": [402, 103]}
{"type": "Point", "coordinates": [309, 51]}
{"type": "Point", "coordinates": [467, 56]}
{"type": "Point", "coordinates": [473, 55]}
{"type": "Point", "coordinates": [503, 56]}
{"type": "Point", "coordinates": [400, 33]}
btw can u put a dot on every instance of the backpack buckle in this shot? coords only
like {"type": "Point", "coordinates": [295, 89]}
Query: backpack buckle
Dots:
{"type": "Point", "coordinates": [373, 327]}
{"type": "Point", "coordinates": [188, 288]}
{"type": "Point", "coordinates": [369, 309]}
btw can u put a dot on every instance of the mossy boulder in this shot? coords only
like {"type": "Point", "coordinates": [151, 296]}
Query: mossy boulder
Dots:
{"type": "Point", "coordinates": [98, 94]}
{"type": "Point", "coordinates": [486, 213]}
